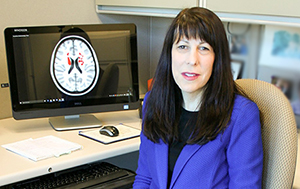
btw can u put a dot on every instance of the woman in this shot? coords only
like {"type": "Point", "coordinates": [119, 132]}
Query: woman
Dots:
{"type": "Point", "coordinates": [199, 131]}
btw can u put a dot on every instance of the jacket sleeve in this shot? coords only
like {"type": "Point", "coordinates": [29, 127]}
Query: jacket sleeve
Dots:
{"type": "Point", "coordinates": [143, 178]}
{"type": "Point", "coordinates": [245, 151]}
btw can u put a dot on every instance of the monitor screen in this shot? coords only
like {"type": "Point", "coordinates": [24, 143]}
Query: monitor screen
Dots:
{"type": "Point", "coordinates": [71, 71]}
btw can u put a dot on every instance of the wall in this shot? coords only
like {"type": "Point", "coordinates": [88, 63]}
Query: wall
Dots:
{"type": "Point", "coordinates": [31, 13]}
{"type": "Point", "coordinates": [151, 33]}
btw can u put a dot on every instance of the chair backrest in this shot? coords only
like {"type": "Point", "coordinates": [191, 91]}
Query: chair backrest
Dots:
{"type": "Point", "coordinates": [279, 132]}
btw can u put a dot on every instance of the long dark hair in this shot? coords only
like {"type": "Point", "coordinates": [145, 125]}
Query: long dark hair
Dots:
{"type": "Point", "coordinates": [163, 106]}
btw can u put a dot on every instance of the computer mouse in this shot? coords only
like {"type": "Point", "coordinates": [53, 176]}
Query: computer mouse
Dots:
{"type": "Point", "coordinates": [109, 130]}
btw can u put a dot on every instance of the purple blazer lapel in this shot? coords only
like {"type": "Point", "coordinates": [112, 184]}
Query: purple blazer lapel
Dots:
{"type": "Point", "coordinates": [187, 152]}
{"type": "Point", "coordinates": [161, 158]}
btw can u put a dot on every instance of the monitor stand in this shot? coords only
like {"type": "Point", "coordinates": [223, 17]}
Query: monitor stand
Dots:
{"type": "Point", "coordinates": [63, 123]}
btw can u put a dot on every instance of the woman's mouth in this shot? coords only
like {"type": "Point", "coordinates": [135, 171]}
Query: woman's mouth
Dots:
{"type": "Point", "coordinates": [190, 76]}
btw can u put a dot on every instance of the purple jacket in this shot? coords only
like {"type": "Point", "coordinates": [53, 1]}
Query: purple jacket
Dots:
{"type": "Point", "coordinates": [233, 160]}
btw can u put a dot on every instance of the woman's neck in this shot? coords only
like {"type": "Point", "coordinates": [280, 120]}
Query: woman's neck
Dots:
{"type": "Point", "coordinates": [192, 101]}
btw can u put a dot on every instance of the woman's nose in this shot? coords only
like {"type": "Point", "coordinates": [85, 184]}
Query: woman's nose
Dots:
{"type": "Point", "coordinates": [193, 57]}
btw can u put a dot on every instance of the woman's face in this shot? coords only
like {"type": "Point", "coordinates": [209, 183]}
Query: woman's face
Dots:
{"type": "Point", "coordinates": [192, 64]}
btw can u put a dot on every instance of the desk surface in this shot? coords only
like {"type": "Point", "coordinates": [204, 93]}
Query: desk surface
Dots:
{"type": "Point", "coordinates": [16, 168]}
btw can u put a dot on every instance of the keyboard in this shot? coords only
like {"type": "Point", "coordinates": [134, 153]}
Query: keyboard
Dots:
{"type": "Point", "coordinates": [92, 175]}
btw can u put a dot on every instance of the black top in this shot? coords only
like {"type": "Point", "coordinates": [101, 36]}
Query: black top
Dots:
{"type": "Point", "coordinates": [185, 127]}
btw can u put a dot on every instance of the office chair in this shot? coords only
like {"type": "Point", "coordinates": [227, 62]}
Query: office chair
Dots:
{"type": "Point", "coordinates": [279, 132]}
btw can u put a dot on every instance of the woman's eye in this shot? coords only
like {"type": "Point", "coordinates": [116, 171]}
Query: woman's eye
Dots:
{"type": "Point", "coordinates": [182, 47]}
{"type": "Point", "coordinates": [204, 48]}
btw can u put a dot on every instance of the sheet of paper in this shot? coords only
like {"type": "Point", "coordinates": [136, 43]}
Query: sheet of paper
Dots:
{"type": "Point", "coordinates": [42, 148]}
{"type": "Point", "coordinates": [57, 146]}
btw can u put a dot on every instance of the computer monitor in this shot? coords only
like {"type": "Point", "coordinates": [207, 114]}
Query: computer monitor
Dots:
{"type": "Point", "coordinates": [67, 72]}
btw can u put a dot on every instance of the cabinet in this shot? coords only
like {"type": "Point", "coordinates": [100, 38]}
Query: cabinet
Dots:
{"type": "Point", "coordinates": [164, 8]}
{"type": "Point", "coordinates": [173, 4]}
{"type": "Point", "coordinates": [272, 12]}
{"type": "Point", "coordinates": [288, 8]}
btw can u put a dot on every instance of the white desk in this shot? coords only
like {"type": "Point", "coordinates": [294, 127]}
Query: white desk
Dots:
{"type": "Point", "coordinates": [15, 168]}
